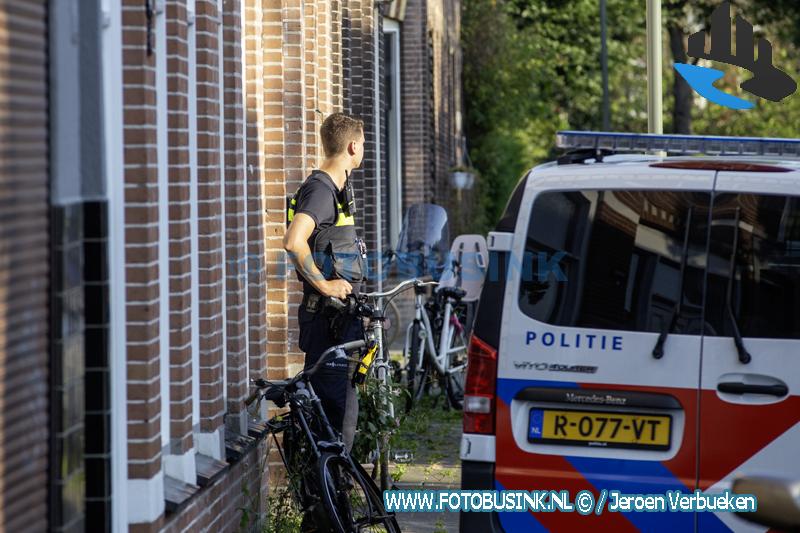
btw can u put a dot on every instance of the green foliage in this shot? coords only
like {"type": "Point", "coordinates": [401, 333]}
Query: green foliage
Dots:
{"type": "Point", "coordinates": [767, 119]}
{"type": "Point", "coordinates": [284, 515]}
{"type": "Point", "coordinates": [374, 420]}
{"type": "Point", "coordinates": [532, 67]}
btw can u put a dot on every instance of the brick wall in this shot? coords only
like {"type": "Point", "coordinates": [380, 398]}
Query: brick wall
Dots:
{"type": "Point", "coordinates": [141, 246]}
{"type": "Point", "coordinates": [234, 502]}
{"type": "Point", "coordinates": [417, 105]}
{"type": "Point", "coordinates": [180, 241]}
{"type": "Point", "coordinates": [24, 268]}
{"type": "Point", "coordinates": [254, 97]}
{"type": "Point", "coordinates": [235, 217]}
{"type": "Point", "coordinates": [209, 203]}
{"type": "Point", "coordinates": [431, 94]}
{"type": "Point", "coordinates": [444, 23]}
{"type": "Point", "coordinates": [283, 155]}
{"type": "Point", "coordinates": [241, 112]}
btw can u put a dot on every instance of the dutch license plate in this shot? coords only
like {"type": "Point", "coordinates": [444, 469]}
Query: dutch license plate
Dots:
{"type": "Point", "coordinates": [601, 429]}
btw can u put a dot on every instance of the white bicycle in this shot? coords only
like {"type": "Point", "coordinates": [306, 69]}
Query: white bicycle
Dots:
{"type": "Point", "coordinates": [435, 348]}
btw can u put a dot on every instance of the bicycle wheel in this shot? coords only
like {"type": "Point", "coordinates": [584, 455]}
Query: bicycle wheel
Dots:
{"type": "Point", "coordinates": [352, 500]}
{"type": "Point", "coordinates": [456, 359]}
{"type": "Point", "coordinates": [300, 475]}
{"type": "Point", "coordinates": [393, 320]}
{"type": "Point", "coordinates": [417, 370]}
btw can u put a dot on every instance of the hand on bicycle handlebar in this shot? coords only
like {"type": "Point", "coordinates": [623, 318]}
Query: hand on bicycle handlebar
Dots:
{"type": "Point", "coordinates": [351, 305]}
{"type": "Point", "coordinates": [336, 288]}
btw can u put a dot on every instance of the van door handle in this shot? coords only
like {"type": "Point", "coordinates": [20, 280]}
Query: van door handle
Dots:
{"type": "Point", "coordinates": [732, 387]}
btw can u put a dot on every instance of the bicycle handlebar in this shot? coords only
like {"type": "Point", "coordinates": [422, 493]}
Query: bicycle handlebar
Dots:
{"type": "Point", "coordinates": [407, 284]}
{"type": "Point", "coordinates": [262, 384]}
{"type": "Point", "coordinates": [346, 347]}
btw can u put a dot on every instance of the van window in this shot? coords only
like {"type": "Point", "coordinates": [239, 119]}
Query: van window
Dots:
{"type": "Point", "coordinates": [765, 292]}
{"type": "Point", "coordinates": [612, 259]}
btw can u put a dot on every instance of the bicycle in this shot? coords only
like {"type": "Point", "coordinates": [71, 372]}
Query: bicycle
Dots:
{"type": "Point", "coordinates": [436, 323]}
{"type": "Point", "coordinates": [357, 305]}
{"type": "Point", "coordinates": [328, 484]}
{"type": "Point", "coordinates": [313, 449]}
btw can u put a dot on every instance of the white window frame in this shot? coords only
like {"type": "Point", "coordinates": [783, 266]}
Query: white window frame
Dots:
{"type": "Point", "coordinates": [395, 136]}
{"type": "Point", "coordinates": [111, 16]}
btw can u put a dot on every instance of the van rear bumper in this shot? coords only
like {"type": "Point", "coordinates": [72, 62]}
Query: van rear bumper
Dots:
{"type": "Point", "coordinates": [478, 476]}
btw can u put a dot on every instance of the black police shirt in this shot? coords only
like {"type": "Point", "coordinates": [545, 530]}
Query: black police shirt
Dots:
{"type": "Point", "coordinates": [317, 201]}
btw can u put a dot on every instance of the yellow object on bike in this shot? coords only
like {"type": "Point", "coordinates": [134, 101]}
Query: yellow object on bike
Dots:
{"type": "Point", "coordinates": [360, 374]}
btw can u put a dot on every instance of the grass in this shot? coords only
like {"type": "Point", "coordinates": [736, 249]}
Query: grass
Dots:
{"type": "Point", "coordinates": [430, 433]}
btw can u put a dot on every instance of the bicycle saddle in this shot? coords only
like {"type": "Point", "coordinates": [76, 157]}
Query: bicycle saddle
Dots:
{"type": "Point", "coordinates": [452, 292]}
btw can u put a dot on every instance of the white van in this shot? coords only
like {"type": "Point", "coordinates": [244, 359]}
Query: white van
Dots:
{"type": "Point", "coordinates": [639, 330]}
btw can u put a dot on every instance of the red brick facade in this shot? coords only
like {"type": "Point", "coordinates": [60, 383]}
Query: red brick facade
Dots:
{"type": "Point", "coordinates": [24, 270]}
{"type": "Point", "coordinates": [170, 288]}
{"type": "Point", "coordinates": [180, 242]}
{"type": "Point", "coordinates": [143, 293]}
{"type": "Point", "coordinates": [431, 104]}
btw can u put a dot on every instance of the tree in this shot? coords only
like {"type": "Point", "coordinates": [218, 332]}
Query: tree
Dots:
{"type": "Point", "coordinates": [778, 18]}
{"type": "Point", "coordinates": [532, 67]}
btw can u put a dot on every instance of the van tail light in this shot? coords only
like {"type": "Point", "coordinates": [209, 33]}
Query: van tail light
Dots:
{"type": "Point", "coordinates": [479, 391]}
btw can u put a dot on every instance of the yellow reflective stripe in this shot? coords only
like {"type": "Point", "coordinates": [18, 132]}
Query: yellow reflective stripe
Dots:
{"type": "Point", "coordinates": [342, 219]}
{"type": "Point", "coordinates": [345, 220]}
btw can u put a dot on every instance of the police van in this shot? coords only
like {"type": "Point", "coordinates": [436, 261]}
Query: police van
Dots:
{"type": "Point", "coordinates": [639, 330]}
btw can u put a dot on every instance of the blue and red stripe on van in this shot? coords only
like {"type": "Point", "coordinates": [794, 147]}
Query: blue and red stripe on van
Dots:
{"type": "Point", "coordinates": [518, 469]}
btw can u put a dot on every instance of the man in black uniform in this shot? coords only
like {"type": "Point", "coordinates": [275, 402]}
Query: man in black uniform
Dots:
{"type": "Point", "coordinates": [322, 210]}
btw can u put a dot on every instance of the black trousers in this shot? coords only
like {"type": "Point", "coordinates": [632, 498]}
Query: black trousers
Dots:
{"type": "Point", "coordinates": [332, 382]}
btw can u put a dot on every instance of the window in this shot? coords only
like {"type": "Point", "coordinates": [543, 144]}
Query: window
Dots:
{"type": "Point", "coordinates": [764, 278]}
{"type": "Point", "coordinates": [391, 81]}
{"type": "Point", "coordinates": [613, 259]}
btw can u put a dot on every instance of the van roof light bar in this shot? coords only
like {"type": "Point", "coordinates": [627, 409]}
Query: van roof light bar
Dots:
{"type": "Point", "coordinates": [681, 144]}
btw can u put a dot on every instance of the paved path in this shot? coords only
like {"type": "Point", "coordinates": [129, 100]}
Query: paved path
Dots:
{"type": "Point", "coordinates": [433, 438]}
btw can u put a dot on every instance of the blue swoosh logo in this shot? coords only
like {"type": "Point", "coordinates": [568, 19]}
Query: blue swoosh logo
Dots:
{"type": "Point", "coordinates": [702, 79]}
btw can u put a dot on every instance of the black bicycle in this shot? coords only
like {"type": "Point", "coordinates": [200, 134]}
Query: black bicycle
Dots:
{"type": "Point", "coordinates": [331, 488]}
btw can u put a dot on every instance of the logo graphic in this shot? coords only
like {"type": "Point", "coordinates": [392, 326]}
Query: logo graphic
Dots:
{"type": "Point", "coordinates": [768, 81]}
{"type": "Point", "coordinates": [554, 367]}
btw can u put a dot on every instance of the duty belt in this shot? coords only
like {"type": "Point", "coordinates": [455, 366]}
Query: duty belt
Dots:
{"type": "Point", "coordinates": [312, 302]}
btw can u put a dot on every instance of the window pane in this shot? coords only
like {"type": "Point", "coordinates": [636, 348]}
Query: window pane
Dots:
{"type": "Point", "coordinates": [612, 259]}
{"type": "Point", "coordinates": [765, 292]}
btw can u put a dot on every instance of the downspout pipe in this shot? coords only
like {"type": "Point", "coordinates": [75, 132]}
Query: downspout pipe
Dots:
{"type": "Point", "coordinates": [376, 26]}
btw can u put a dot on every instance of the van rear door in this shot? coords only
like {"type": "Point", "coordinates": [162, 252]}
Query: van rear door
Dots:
{"type": "Point", "coordinates": [605, 264]}
{"type": "Point", "coordinates": [750, 398]}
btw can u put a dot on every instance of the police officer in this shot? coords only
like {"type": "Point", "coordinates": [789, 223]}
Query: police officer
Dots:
{"type": "Point", "coordinates": [320, 218]}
